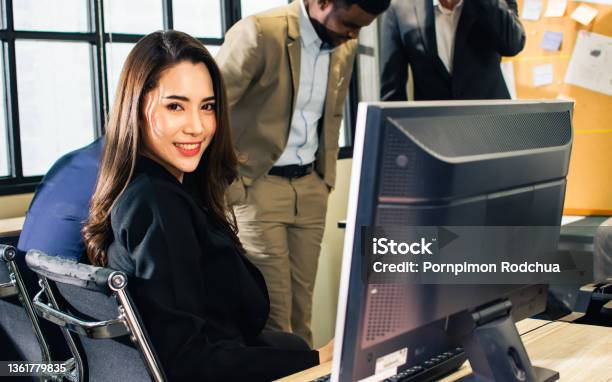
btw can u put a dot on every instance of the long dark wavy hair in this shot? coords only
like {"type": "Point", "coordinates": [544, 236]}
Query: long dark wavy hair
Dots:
{"type": "Point", "coordinates": [218, 167]}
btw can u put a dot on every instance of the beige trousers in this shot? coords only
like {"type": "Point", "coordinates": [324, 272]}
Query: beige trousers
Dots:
{"type": "Point", "coordinates": [281, 223]}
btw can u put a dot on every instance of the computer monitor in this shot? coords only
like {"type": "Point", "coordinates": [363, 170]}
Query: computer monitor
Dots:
{"type": "Point", "coordinates": [459, 163]}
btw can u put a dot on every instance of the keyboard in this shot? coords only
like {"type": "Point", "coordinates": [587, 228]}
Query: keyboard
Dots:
{"type": "Point", "coordinates": [433, 368]}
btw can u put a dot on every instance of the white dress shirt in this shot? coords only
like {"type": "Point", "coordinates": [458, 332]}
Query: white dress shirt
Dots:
{"type": "Point", "coordinates": [446, 27]}
{"type": "Point", "coordinates": [303, 139]}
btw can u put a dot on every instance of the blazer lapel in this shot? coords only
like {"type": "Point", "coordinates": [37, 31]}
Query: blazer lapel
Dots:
{"type": "Point", "coordinates": [467, 19]}
{"type": "Point", "coordinates": [294, 48]}
{"type": "Point", "coordinates": [427, 26]}
{"type": "Point", "coordinates": [294, 51]}
{"type": "Point", "coordinates": [333, 85]}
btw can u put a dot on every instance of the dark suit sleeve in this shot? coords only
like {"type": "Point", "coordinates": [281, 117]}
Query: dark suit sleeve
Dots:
{"type": "Point", "coordinates": [502, 20]}
{"type": "Point", "coordinates": [394, 61]}
{"type": "Point", "coordinates": [161, 244]}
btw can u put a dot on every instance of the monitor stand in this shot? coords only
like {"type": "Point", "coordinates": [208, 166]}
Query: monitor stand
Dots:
{"type": "Point", "coordinates": [496, 352]}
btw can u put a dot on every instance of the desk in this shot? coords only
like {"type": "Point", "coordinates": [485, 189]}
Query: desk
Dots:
{"type": "Point", "coordinates": [578, 352]}
{"type": "Point", "coordinates": [11, 227]}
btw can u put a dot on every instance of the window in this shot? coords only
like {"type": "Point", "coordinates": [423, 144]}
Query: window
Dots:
{"type": "Point", "coordinates": [62, 60]}
{"type": "Point", "coordinates": [133, 16]}
{"type": "Point", "coordinates": [199, 18]}
{"type": "Point", "coordinates": [4, 146]}
{"type": "Point", "coordinates": [116, 53]}
{"type": "Point", "coordinates": [213, 49]}
{"type": "Point", "coordinates": [56, 109]}
{"type": "Point", "coordinates": [202, 19]}
{"type": "Point", "coordinates": [51, 15]}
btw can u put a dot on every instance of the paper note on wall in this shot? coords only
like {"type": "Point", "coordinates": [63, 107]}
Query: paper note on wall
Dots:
{"type": "Point", "coordinates": [591, 63]}
{"type": "Point", "coordinates": [532, 9]}
{"type": "Point", "coordinates": [584, 14]}
{"type": "Point", "coordinates": [552, 41]}
{"type": "Point", "coordinates": [543, 75]}
{"type": "Point", "coordinates": [507, 68]}
{"type": "Point", "coordinates": [556, 8]}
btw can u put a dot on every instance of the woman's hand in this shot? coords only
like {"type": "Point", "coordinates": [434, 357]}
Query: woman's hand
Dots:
{"type": "Point", "coordinates": [326, 352]}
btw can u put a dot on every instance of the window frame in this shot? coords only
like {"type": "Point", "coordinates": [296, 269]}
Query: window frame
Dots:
{"type": "Point", "coordinates": [98, 38]}
{"type": "Point", "coordinates": [16, 182]}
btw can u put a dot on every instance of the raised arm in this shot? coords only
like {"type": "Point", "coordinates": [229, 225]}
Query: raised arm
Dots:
{"type": "Point", "coordinates": [394, 62]}
{"type": "Point", "coordinates": [502, 20]}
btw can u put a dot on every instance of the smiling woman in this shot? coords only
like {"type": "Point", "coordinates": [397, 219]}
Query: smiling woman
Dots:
{"type": "Point", "coordinates": [159, 214]}
{"type": "Point", "coordinates": [164, 97]}
{"type": "Point", "coordinates": [180, 118]}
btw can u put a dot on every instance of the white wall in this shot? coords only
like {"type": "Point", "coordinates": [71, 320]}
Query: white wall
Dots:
{"type": "Point", "coordinates": [328, 277]}
{"type": "Point", "coordinates": [12, 206]}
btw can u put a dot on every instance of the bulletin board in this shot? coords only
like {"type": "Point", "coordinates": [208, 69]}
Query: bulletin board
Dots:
{"type": "Point", "coordinates": [589, 190]}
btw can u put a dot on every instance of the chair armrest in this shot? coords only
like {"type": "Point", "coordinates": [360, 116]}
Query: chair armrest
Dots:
{"type": "Point", "coordinates": [92, 329]}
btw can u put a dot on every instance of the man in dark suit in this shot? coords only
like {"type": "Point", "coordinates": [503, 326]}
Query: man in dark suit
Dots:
{"type": "Point", "coordinates": [454, 48]}
{"type": "Point", "coordinates": [61, 205]}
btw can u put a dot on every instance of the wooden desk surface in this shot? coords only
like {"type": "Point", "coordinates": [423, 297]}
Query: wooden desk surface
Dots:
{"type": "Point", "coordinates": [577, 352]}
{"type": "Point", "coordinates": [530, 324]}
{"type": "Point", "coordinates": [11, 226]}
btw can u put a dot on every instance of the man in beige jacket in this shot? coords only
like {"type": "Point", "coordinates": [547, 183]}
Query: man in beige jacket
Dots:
{"type": "Point", "coordinates": [287, 73]}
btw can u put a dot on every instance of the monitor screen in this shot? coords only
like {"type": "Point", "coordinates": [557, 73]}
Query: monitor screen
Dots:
{"type": "Point", "coordinates": [455, 163]}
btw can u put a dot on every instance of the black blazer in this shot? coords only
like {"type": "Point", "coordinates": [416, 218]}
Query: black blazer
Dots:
{"type": "Point", "coordinates": [487, 30]}
{"type": "Point", "coordinates": [201, 300]}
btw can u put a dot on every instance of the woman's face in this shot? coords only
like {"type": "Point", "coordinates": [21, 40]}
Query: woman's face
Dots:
{"type": "Point", "coordinates": [180, 118]}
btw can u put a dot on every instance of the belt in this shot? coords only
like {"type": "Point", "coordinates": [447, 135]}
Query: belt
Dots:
{"type": "Point", "coordinates": [291, 171]}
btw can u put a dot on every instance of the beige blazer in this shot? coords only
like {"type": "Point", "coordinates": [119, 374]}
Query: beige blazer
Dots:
{"type": "Point", "coordinates": [260, 62]}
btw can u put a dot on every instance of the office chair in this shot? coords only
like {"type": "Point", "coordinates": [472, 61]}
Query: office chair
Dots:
{"type": "Point", "coordinates": [22, 336]}
{"type": "Point", "coordinates": [602, 251]}
{"type": "Point", "coordinates": [93, 308]}
{"type": "Point", "coordinates": [594, 300]}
